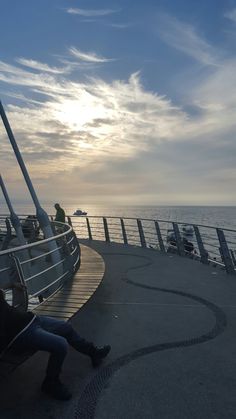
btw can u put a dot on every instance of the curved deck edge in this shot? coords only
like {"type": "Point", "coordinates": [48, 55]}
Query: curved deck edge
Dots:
{"type": "Point", "coordinates": [66, 302]}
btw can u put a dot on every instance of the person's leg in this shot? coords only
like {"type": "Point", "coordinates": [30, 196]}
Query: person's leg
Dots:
{"type": "Point", "coordinates": [37, 338]}
{"type": "Point", "coordinates": [66, 330]}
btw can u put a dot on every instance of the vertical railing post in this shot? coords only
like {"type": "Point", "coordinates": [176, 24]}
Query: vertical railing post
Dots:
{"type": "Point", "coordinates": [233, 257]}
{"type": "Point", "coordinates": [123, 231]}
{"type": "Point", "coordinates": [141, 233]}
{"type": "Point", "coordinates": [179, 241]}
{"type": "Point", "coordinates": [106, 231]}
{"type": "Point", "coordinates": [224, 251]}
{"type": "Point", "coordinates": [89, 229]}
{"type": "Point", "coordinates": [19, 294]}
{"type": "Point", "coordinates": [202, 250]}
{"type": "Point", "coordinates": [14, 218]}
{"type": "Point", "coordinates": [159, 236]}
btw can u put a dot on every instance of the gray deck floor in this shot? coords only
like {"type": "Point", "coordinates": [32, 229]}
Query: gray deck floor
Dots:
{"type": "Point", "coordinates": [172, 325]}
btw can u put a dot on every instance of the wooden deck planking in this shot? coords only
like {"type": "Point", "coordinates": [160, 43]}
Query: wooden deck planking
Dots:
{"type": "Point", "coordinates": [66, 302]}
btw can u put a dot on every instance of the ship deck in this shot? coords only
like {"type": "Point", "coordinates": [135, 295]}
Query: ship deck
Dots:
{"type": "Point", "coordinates": [171, 322]}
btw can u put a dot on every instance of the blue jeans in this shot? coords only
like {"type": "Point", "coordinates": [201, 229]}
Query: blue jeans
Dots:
{"type": "Point", "coordinates": [50, 335]}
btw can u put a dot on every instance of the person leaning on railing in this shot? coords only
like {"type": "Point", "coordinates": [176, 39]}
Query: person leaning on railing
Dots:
{"type": "Point", "coordinates": [24, 331]}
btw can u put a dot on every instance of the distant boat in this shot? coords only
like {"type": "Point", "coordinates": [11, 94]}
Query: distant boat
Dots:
{"type": "Point", "coordinates": [188, 230]}
{"type": "Point", "coordinates": [170, 236]}
{"type": "Point", "coordinates": [188, 246]}
{"type": "Point", "coordinates": [80, 212]}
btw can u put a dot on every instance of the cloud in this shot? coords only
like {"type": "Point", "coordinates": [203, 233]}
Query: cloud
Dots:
{"type": "Point", "coordinates": [119, 25]}
{"type": "Point", "coordinates": [36, 65]}
{"type": "Point", "coordinates": [91, 13]}
{"type": "Point", "coordinates": [108, 119]}
{"type": "Point", "coordinates": [88, 57]}
{"type": "Point", "coordinates": [231, 15]}
{"type": "Point", "coordinates": [184, 37]}
{"type": "Point", "coordinates": [98, 137]}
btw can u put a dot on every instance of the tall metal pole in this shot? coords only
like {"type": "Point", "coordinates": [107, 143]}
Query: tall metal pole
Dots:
{"type": "Point", "coordinates": [17, 226]}
{"type": "Point", "coordinates": [14, 219]}
{"type": "Point", "coordinates": [41, 214]}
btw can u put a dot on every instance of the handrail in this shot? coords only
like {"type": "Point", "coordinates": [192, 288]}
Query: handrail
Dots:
{"type": "Point", "coordinates": [34, 244]}
{"type": "Point", "coordinates": [131, 218]}
{"type": "Point", "coordinates": [153, 233]}
{"type": "Point", "coordinates": [148, 219]}
{"type": "Point", "coordinates": [210, 243]}
{"type": "Point", "coordinates": [33, 266]}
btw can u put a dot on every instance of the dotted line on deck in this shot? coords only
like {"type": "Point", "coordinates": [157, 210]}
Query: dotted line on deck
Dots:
{"type": "Point", "coordinates": [88, 400]}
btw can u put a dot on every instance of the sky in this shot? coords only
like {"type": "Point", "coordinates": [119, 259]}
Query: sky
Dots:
{"type": "Point", "coordinates": [122, 102]}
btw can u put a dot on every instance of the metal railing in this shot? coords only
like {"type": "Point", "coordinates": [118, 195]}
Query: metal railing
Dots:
{"type": "Point", "coordinates": [38, 267]}
{"type": "Point", "coordinates": [43, 269]}
{"type": "Point", "coordinates": [209, 244]}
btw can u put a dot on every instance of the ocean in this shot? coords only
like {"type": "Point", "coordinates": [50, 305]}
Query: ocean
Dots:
{"type": "Point", "coordinates": [217, 216]}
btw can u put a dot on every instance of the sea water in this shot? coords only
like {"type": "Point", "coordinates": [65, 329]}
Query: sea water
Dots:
{"type": "Point", "coordinates": [220, 216]}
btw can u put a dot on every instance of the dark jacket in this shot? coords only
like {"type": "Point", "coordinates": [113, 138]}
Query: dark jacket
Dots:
{"type": "Point", "coordinates": [12, 322]}
{"type": "Point", "coordinates": [60, 215]}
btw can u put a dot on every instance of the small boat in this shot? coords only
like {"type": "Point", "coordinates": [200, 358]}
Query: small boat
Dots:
{"type": "Point", "coordinates": [171, 240]}
{"type": "Point", "coordinates": [188, 230]}
{"type": "Point", "coordinates": [80, 212]}
{"type": "Point", "coordinates": [170, 236]}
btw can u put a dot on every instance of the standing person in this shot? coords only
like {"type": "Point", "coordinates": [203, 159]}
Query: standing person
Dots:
{"type": "Point", "coordinates": [25, 331]}
{"type": "Point", "coordinates": [60, 214]}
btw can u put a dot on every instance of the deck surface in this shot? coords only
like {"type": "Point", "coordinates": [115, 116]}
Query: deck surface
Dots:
{"type": "Point", "coordinates": [171, 322]}
{"type": "Point", "coordinates": [65, 303]}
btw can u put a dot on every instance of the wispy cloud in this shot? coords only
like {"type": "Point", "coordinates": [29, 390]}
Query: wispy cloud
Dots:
{"type": "Point", "coordinates": [231, 15]}
{"type": "Point", "coordinates": [91, 57]}
{"type": "Point", "coordinates": [90, 12]}
{"type": "Point", "coordinates": [184, 37]}
{"type": "Point", "coordinates": [97, 134]}
{"type": "Point", "coordinates": [37, 65]}
{"type": "Point", "coordinates": [119, 25]}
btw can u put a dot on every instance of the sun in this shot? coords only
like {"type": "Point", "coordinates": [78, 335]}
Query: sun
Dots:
{"type": "Point", "coordinates": [76, 114]}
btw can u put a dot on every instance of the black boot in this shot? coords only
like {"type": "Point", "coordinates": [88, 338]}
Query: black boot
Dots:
{"type": "Point", "coordinates": [96, 354]}
{"type": "Point", "coordinates": [54, 388]}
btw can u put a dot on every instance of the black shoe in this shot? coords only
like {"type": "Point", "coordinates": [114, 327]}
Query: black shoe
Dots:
{"type": "Point", "coordinates": [57, 390]}
{"type": "Point", "coordinates": [99, 354]}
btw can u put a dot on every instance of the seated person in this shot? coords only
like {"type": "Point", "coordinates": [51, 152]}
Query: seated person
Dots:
{"type": "Point", "coordinates": [30, 227]}
{"type": "Point", "coordinates": [24, 331]}
{"type": "Point", "coordinates": [188, 246]}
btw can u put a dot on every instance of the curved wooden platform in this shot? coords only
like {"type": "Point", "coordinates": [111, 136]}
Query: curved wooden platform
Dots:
{"type": "Point", "coordinates": [66, 302]}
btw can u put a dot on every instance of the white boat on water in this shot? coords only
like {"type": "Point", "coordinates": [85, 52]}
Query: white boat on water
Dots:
{"type": "Point", "coordinates": [80, 212]}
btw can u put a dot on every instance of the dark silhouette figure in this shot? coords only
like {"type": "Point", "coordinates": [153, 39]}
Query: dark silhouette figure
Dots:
{"type": "Point", "coordinates": [60, 214]}
{"type": "Point", "coordinates": [23, 332]}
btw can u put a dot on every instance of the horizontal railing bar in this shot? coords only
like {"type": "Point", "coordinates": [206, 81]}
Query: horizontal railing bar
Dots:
{"type": "Point", "coordinates": [135, 218]}
{"type": "Point", "coordinates": [48, 286]}
{"type": "Point", "coordinates": [159, 220]}
{"type": "Point", "coordinates": [71, 240]}
{"type": "Point", "coordinates": [45, 270]}
{"type": "Point", "coordinates": [76, 248]}
{"type": "Point", "coordinates": [40, 256]}
{"type": "Point", "coordinates": [5, 269]}
{"type": "Point", "coordinates": [35, 244]}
